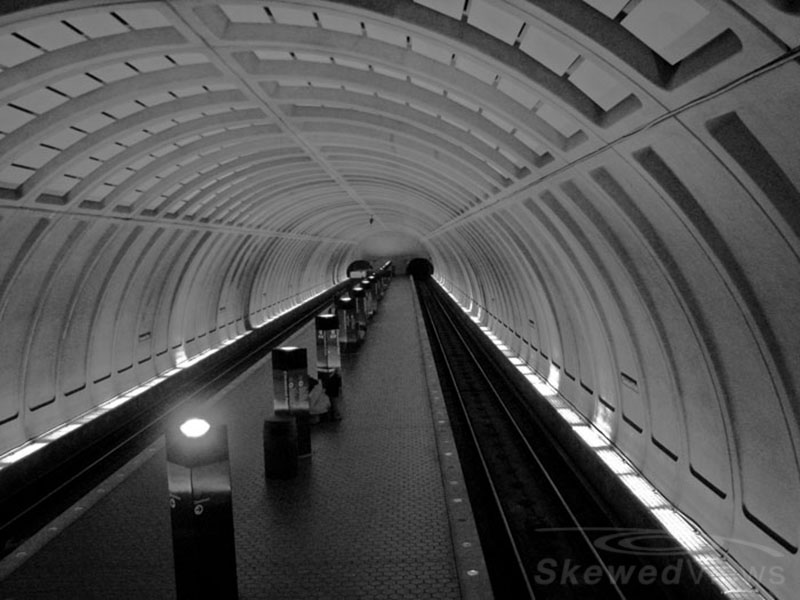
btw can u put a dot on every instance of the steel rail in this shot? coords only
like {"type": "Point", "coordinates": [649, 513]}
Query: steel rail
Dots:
{"type": "Point", "coordinates": [531, 451]}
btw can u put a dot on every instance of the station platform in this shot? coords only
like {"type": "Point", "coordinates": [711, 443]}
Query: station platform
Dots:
{"type": "Point", "coordinates": [378, 511]}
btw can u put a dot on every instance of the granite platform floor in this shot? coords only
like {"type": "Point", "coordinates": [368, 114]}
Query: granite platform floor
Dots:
{"type": "Point", "coordinates": [366, 517]}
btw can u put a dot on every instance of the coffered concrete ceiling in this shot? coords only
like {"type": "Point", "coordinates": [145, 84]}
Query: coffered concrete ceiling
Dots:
{"type": "Point", "coordinates": [610, 185]}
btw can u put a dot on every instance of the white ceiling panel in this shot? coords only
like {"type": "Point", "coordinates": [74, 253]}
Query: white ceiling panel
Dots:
{"type": "Point", "coordinates": [192, 90]}
{"type": "Point", "coordinates": [269, 54]}
{"type": "Point", "coordinates": [151, 63]}
{"type": "Point", "coordinates": [658, 23]}
{"type": "Point", "coordinates": [37, 157]}
{"type": "Point", "coordinates": [560, 121]}
{"type": "Point", "coordinates": [64, 139]}
{"type": "Point", "coordinates": [451, 8]}
{"type": "Point", "coordinates": [189, 58]}
{"type": "Point", "coordinates": [245, 13]}
{"type": "Point", "coordinates": [498, 120]}
{"type": "Point", "coordinates": [610, 8]}
{"type": "Point", "coordinates": [158, 127]}
{"type": "Point", "coordinates": [112, 73]}
{"type": "Point", "coordinates": [521, 93]}
{"type": "Point", "coordinates": [544, 48]}
{"type": "Point", "coordinates": [143, 18]}
{"type": "Point", "coordinates": [163, 150]}
{"type": "Point", "coordinates": [462, 101]}
{"type": "Point", "coordinates": [52, 35]}
{"type": "Point", "coordinates": [123, 110]}
{"type": "Point", "coordinates": [339, 23]}
{"type": "Point", "coordinates": [437, 89]}
{"type": "Point", "coordinates": [119, 176]}
{"type": "Point", "coordinates": [77, 85]}
{"type": "Point", "coordinates": [530, 141]}
{"type": "Point", "coordinates": [602, 88]}
{"type": "Point", "coordinates": [312, 57]}
{"type": "Point", "coordinates": [493, 20]}
{"type": "Point", "coordinates": [14, 51]}
{"type": "Point", "coordinates": [156, 99]}
{"type": "Point", "coordinates": [134, 138]}
{"type": "Point", "coordinates": [353, 64]}
{"type": "Point", "coordinates": [40, 101]}
{"type": "Point", "coordinates": [61, 185]}
{"type": "Point", "coordinates": [382, 33]}
{"type": "Point", "coordinates": [14, 176]}
{"type": "Point", "coordinates": [477, 69]}
{"type": "Point", "coordinates": [100, 192]}
{"type": "Point", "coordinates": [431, 49]}
{"type": "Point", "coordinates": [93, 123]}
{"type": "Point", "coordinates": [290, 15]}
{"type": "Point", "coordinates": [83, 168]}
{"type": "Point", "coordinates": [107, 152]}
{"type": "Point", "coordinates": [381, 70]}
{"type": "Point", "coordinates": [97, 24]}
{"type": "Point", "coordinates": [11, 118]}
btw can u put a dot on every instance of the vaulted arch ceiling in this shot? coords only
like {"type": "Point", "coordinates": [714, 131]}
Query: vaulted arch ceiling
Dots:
{"type": "Point", "coordinates": [610, 185]}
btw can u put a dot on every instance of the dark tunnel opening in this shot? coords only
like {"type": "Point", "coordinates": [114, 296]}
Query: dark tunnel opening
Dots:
{"type": "Point", "coordinates": [419, 268]}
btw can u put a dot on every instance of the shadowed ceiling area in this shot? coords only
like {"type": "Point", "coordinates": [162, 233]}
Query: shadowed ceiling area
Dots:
{"type": "Point", "coordinates": [611, 186]}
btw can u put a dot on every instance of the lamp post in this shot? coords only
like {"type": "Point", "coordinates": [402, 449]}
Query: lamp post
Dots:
{"type": "Point", "coordinates": [290, 388]}
{"type": "Point", "coordinates": [198, 474]}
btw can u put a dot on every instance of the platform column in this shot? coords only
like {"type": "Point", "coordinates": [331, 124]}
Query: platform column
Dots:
{"type": "Point", "coordinates": [198, 473]}
{"type": "Point", "coordinates": [290, 389]}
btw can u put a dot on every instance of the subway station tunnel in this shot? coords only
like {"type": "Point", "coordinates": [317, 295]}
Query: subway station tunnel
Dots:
{"type": "Point", "coordinates": [610, 186]}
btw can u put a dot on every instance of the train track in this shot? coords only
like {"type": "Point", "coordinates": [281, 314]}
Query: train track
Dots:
{"type": "Point", "coordinates": [540, 522]}
{"type": "Point", "coordinates": [38, 498]}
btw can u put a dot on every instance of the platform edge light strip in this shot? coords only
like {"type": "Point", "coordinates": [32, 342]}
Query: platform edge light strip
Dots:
{"type": "Point", "coordinates": [181, 362]}
{"type": "Point", "coordinates": [730, 577]}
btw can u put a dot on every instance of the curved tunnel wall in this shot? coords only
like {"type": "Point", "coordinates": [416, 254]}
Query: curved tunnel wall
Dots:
{"type": "Point", "coordinates": [612, 188]}
{"type": "Point", "coordinates": [94, 309]}
{"type": "Point", "coordinates": [665, 296]}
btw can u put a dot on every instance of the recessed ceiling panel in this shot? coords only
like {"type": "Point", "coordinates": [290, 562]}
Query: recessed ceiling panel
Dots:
{"type": "Point", "coordinates": [477, 69]}
{"type": "Point", "coordinates": [11, 118]}
{"type": "Point", "coordinates": [269, 54]}
{"type": "Point", "coordinates": [97, 24]}
{"type": "Point", "coordinates": [658, 23]}
{"type": "Point", "coordinates": [93, 123]}
{"type": "Point", "coordinates": [382, 33]}
{"type": "Point", "coordinates": [111, 73]}
{"type": "Point", "coordinates": [14, 176]}
{"type": "Point", "coordinates": [64, 139]}
{"type": "Point", "coordinates": [451, 8]}
{"type": "Point", "coordinates": [494, 21]}
{"type": "Point", "coordinates": [312, 57]}
{"type": "Point", "coordinates": [52, 35]}
{"type": "Point", "coordinates": [245, 13]}
{"type": "Point", "coordinates": [606, 91]}
{"type": "Point", "coordinates": [610, 8]}
{"type": "Point", "coordinates": [143, 18]}
{"type": "Point", "coordinates": [40, 101]}
{"type": "Point", "coordinates": [560, 121]}
{"type": "Point", "coordinates": [77, 85]}
{"type": "Point", "coordinates": [521, 93]}
{"type": "Point", "coordinates": [290, 15]}
{"type": "Point", "coordinates": [349, 62]}
{"type": "Point", "coordinates": [431, 49]}
{"type": "Point", "coordinates": [544, 48]}
{"type": "Point", "coordinates": [340, 23]}
{"type": "Point", "coordinates": [14, 51]}
{"type": "Point", "coordinates": [36, 157]}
